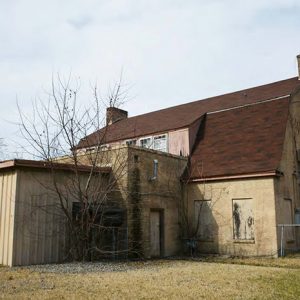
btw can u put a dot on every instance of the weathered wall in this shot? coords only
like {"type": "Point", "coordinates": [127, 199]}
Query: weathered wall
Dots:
{"type": "Point", "coordinates": [295, 116]}
{"type": "Point", "coordinates": [162, 193]}
{"type": "Point", "coordinates": [179, 142]}
{"type": "Point", "coordinates": [132, 168]}
{"type": "Point", "coordinates": [257, 200]}
{"type": "Point", "coordinates": [8, 182]}
{"type": "Point", "coordinates": [287, 185]}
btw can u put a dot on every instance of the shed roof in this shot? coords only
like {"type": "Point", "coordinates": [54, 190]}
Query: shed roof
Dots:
{"type": "Point", "coordinates": [182, 116]}
{"type": "Point", "coordinates": [238, 141]}
{"type": "Point", "coordinates": [25, 163]}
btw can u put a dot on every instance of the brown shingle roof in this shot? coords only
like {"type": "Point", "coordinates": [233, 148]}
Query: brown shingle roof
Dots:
{"type": "Point", "coordinates": [182, 115]}
{"type": "Point", "coordinates": [241, 140]}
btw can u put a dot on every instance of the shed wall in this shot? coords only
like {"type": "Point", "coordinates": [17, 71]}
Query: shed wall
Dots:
{"type": "Point", "coordinates": [40, 234]}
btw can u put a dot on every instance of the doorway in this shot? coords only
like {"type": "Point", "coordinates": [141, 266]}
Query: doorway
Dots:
{"type": "Point", "coordinates": [156, 233]}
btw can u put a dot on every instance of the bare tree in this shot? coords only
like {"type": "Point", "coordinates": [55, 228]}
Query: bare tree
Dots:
{"type": "Point", "coordinates": [197, 217]}
{"type": "Point", "coordinates": [56, 133]}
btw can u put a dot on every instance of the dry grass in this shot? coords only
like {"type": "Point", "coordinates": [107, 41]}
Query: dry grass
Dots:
{"type": "Point", "coordinates": [162, 279]}
{"type": "Point", "coordinates": [291, 261]}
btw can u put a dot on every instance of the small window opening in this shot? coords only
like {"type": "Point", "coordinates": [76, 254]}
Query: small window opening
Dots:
{"type": "Point", "coordinates": [155, 170]}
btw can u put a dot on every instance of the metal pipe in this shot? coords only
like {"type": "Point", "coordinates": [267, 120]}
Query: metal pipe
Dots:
{"type": "Point", "coordinates": [281, 242]}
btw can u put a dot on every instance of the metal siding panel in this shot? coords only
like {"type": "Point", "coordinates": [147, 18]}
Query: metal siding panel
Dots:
{"type": "Point", "coordinates": [19, 228]}
{"type": "Point", "coordinates": [5, 219]}
{"type": "Point", "coordinates": [2, 211]}
{"type": "Point", "coordinates": [7, 199]}
{"type": "Point", "coordinates": [12, 218]}
{"type": "Point", "coordinates": [33, 236]}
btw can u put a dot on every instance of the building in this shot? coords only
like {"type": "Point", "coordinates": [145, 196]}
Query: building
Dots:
{"type": "Point", "coordinates": [242, 178]}
{"type": "Point", "coordinates": [218, 174]}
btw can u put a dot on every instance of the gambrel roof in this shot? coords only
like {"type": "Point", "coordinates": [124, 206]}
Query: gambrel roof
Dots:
{"type": "Point", "coordinates": [239, 141]}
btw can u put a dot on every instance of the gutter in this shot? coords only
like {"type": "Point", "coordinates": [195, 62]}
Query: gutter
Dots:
{"type": "Point", "coordinates": [225, 177]}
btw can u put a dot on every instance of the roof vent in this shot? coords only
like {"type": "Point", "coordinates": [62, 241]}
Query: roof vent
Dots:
{"type": "Point", "coordinates": [114, 114]}
{"type": "Point", "coordinates": [298, 60]}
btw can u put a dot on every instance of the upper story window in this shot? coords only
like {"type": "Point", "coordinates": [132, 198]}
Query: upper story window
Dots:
{"type": "Point", "coordinates": [131, 142]}
{"type": "Point", "coordinates": [160, 143]}
{"type": "Point", "coordinates": [146, 142]}
{"type": "Point", "coordinates": [96, 149]}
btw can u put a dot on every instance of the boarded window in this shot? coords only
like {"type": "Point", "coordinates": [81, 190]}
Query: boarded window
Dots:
{"type": "Point", "coordinates": [204, 221]}
{"type": "Point", "coordinates": [243, 219]}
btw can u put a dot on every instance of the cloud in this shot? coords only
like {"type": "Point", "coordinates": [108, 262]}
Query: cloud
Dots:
{"type": "Point", "coordinates": [172, 51]}
{"type": "Point", "coordinates": [80, 22]}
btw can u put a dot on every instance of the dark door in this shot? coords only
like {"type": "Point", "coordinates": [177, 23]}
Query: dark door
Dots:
{"type": "Point", "coordinates": [155, 233]}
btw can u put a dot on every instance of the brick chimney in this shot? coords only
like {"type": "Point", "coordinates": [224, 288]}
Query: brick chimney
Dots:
{"type": "Point", "coordinates": [114, 114]}
{"type": "Point", "coordinates": [298, 60]}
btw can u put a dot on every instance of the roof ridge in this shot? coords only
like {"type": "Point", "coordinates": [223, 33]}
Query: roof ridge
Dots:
{"type": "Point", "coordinates": [216, 96]}
{"type": "Point", "coordinates": [248, 104]}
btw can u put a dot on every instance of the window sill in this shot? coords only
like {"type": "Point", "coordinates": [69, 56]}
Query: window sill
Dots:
{"type": "Point", "coordinates": [244, 241]}
{"type": "Point", "coordinates": [205, 240]}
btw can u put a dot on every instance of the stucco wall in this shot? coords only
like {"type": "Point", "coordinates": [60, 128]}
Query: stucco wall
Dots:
{"type": "Point", "coordinates": [162, 193]}
{"type": "Point", "coordinates": [132, 168]}
{"type": "Point", "coordinates": [259, 192]}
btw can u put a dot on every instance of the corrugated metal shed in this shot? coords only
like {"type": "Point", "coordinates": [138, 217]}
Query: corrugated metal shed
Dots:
{"type": "Point", "coordinates": [33, 228]}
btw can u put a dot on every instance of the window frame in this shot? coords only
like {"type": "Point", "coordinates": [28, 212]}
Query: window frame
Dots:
{"type": "Point", "coordinates": [164, 135]}
{"type": "Point", "coordinates": [234, 236]}
{"type": "Point", "coordinates": [145, 138]}
{"type": "Point", "coordinates": [130, 142]}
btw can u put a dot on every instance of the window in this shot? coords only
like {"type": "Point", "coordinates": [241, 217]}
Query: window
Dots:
{"type": "Point", "coordinates": [146, 142]}
{"type": "Point", "coordinates": [204, 220]}
{"type": "Point", "coordinates": [243, 219]}
{"type": "Point", "coordinates": [131, 142]}
{"type": "Point", "coordinates": [103, 147]}
{"type": "Point", "coordinates": [91, 149]}
{"type": "Point", "coordinates": [76, 211]}
{"type": "Point", "coordinates": [160, 143]}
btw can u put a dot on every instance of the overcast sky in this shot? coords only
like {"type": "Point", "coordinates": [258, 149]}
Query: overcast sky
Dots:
{"type": "Point", "coordinates": [171, 51]}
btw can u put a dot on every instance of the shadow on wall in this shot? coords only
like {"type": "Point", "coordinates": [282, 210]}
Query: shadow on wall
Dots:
{"type": "Point", "coordinates": [207, 232]}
